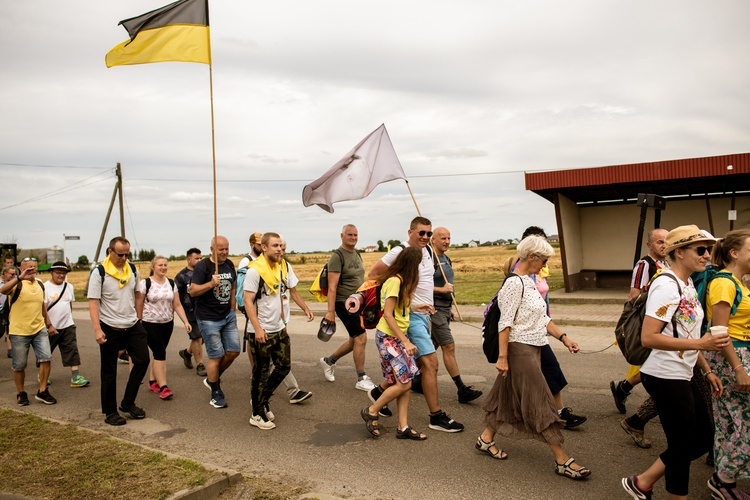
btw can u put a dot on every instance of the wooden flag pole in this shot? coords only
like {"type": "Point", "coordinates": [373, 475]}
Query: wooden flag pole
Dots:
{"type": "Point", "coordinates": [445, 278]}
{"type": "Point", "coordinates": [213, 149]}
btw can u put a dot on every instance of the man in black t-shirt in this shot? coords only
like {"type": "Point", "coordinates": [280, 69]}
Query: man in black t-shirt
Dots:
{"type": "Point", "coordinates": [214, 293]}
{"type": "Point", "coordinates": [182, 282]}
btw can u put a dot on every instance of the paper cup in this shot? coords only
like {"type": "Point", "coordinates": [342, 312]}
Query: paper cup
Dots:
{"type": "Point", "coordinates": [718, 330]}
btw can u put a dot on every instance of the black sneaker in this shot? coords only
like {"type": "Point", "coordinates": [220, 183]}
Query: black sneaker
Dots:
{"type": "Point", "coordinates": [45, 397]}
{"type": "Point", "coordinates": [300, 396]}
{"type": "Point", "coordinates": [374, 394]}
{"type": "Point", "coordinates": [442, 422]}
{"type": "Point", "coordinates": [619, 394]}
{"type": "Point", "coordinates": [630, 485]}
{"type": "Point", "coordinates": [22, 399]}
{"type": "Point", "coordinates": [467, 394]}
{"type": "Point", "coordinates": [134, 411]}
{"type": "Point", "coordinates": [186, 359]}
{"type": "Point", "coordinates": [115, 419]}
{"type": "Point", "coordinates": [571, 419]}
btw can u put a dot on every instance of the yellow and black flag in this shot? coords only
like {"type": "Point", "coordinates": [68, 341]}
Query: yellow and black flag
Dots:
{"type": "Point", "coordinates": [175, 32]}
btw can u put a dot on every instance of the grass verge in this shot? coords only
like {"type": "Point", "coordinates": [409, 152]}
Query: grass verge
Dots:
{"type": "Point", "coordinates": [43, 459]}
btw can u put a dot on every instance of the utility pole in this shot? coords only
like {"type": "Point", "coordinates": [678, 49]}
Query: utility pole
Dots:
{"type": "Point", "coordinates": [118, 189]}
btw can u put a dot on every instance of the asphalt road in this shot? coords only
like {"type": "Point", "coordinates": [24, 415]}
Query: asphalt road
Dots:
{"type": "Point", "coordinates": [323, 443]}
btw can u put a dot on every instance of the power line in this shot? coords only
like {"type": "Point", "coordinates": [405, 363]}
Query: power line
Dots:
{"type": "Point", "coordinates": [61, 190]}
{"type": "Point", "coordinates": [466, 174]}
{"type": "Point", "coordinates": [32, 165]}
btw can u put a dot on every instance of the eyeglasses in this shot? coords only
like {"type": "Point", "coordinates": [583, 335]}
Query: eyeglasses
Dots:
{"type": "Point", "coordinates": [702, 250]}
{"type": "Point", "coordinates": [423, 233]}
{"type": "Point", "coordinates": [544, 261]}
{"type": "Point", "coordinates": [27, 259]}
{"type": "Point", "coordinates": [121, 255]}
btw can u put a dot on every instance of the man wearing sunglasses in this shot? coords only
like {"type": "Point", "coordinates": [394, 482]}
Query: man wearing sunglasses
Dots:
{"type": "Point", "coordinates": [643, 272]}
{"type": "Point", "coordinates": [29, 328]}
{"type": "Point", "coordinates": [111, 297]}
{"type": "Point", "coordinates": [422, 305]}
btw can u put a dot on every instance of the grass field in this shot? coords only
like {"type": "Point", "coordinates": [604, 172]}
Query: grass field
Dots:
{"type": "Point", "coordinates": [478, 271]}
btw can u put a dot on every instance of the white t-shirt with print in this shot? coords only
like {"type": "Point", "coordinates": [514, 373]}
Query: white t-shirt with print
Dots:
{"type": "Point", "coordinates": [664, 301]}
{"type": "Point", "coordinates": [60, 316]}
{"type": "Point", "coordinates": [424, 294]}
{"type": "Point", "coordinates": [157, 306]}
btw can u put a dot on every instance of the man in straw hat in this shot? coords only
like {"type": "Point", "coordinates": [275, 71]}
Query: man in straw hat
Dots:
{"type": "Point", "coordinates": [60, 297]}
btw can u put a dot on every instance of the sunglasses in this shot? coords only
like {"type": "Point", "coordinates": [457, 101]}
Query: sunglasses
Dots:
{"type": "Point", "coordinates": [423, 233]}
{"type": "Point", "coordinates": [29, 259]}
{"type": "Point", "coordinates": [121, 255]}
{"type": "Point", "coordinates": [702, 250]}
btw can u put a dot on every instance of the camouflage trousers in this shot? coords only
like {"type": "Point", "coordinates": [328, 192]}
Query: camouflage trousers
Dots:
{"type": "Point", "coordinates": [276, 350]}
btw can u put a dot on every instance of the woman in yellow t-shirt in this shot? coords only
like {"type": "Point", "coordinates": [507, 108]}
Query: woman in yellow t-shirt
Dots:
{"type": "Point", "coordinates": [731, 364]}
{"type": "Point", "coordinates": [396, 351]}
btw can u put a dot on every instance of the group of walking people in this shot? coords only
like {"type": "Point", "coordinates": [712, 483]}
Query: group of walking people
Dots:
{"type": "Point", "coordinates": [697, 378]}
{"type": "Point", "coordinates": [133, 314]}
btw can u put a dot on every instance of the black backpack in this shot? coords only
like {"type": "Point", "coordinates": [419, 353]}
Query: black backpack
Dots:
{"type": "Point", "coordinates": [628, 329]}
{"type": "Point", "coordinates": [490, 335]}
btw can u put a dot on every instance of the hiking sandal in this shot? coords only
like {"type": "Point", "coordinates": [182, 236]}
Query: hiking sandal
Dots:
{"type": "Point", "coordinates": [371, 422]}
{"type": "Point", "coordinates": [485, 448]}
{"type": "Point", "coordinates": [567, 471]}
{"type": "Point", "coordinates": [410, 433]}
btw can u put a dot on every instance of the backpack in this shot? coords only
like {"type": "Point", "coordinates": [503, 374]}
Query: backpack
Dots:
{"type": "Point", "coordinates": [319, 287]}
{"type": "Point", "coordinates": [368, 298]}
{"type": "Point", "coordinates": [148, 285]}
{"type": "Point", "coordinates": [13, 298]}
{"type": "Point", "coordinates": [628, 329]}
{"type": "Point", "coordinates": [701, 280]}
{"type": "Point", "coordinates": [239, 293]}
{"type": "Point", "coordinates": [490, 333]}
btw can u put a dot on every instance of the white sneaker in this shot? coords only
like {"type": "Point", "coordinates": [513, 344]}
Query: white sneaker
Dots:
{"type": "Point", "coordinates": [261, 423]}
{"type": "Point", "coordinates": [328, 370]}
{"type": "Point", "coordinates": [365, 384]}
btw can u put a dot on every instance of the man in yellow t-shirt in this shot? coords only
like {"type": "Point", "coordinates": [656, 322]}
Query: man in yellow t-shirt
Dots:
{"type": "Point", "coordinates": [28, 327]}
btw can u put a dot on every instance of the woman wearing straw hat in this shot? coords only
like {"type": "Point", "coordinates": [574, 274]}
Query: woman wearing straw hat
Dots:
{"type": "Point", "coordinates": [672, 329]}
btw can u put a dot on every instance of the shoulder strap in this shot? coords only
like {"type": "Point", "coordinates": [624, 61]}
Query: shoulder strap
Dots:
{"type": "Point", "coordinates": [737, 290]}
{"type": "Point", "coordinates": [679, 291]}
{"type": "Point", "coordinates": [65, 287]}
{"type": "Point", "coordinates": [16, 293]}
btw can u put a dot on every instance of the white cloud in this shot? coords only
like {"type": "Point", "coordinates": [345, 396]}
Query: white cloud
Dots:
{"type": "Point", "coordinates": [510, 87]}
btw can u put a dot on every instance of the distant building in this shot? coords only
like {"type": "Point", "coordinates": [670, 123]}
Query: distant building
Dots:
{"type": "Point", "coordinates": [473, 244]}
{"type": "Point", "coordinates": [554, 239]}
{"type": "Point", "coordinates": [371, 248]}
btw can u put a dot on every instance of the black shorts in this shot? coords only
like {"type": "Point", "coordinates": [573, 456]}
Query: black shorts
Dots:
{"type": "Point", "coordinates": [351, 322]}
{"type": "Point", "coordinates": [195, 333]}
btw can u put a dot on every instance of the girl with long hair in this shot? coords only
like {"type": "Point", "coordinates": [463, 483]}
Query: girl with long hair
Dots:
{"type": "Point", "coordinates": [396, 351]}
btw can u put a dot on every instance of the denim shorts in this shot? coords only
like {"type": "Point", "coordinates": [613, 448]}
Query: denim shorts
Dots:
{"type": "Point", "coordinates": [221, 336]}
{"type": "Point", "coordinates": [419, 333]}
{"type": "Point", "coordinates": [20, 344]}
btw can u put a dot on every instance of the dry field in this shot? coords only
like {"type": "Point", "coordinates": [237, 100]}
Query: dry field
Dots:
{"type": "Point", "coordinates": [478, 271]}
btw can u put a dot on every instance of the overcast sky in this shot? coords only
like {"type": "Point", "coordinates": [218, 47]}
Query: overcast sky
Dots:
{"type": "Point", "coordinates": [480, 87]}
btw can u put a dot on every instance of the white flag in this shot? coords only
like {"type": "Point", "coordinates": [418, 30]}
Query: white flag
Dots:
{"type": "Point", "coordinates": [373, 161]}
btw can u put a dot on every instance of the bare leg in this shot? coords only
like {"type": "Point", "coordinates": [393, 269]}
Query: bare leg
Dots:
{"type": "Point", "coordinates": [449, 359]}
{"type": "Point", "coordinates": [44, 369]}
{"type": "Point", "coordinates": [428, 365]}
